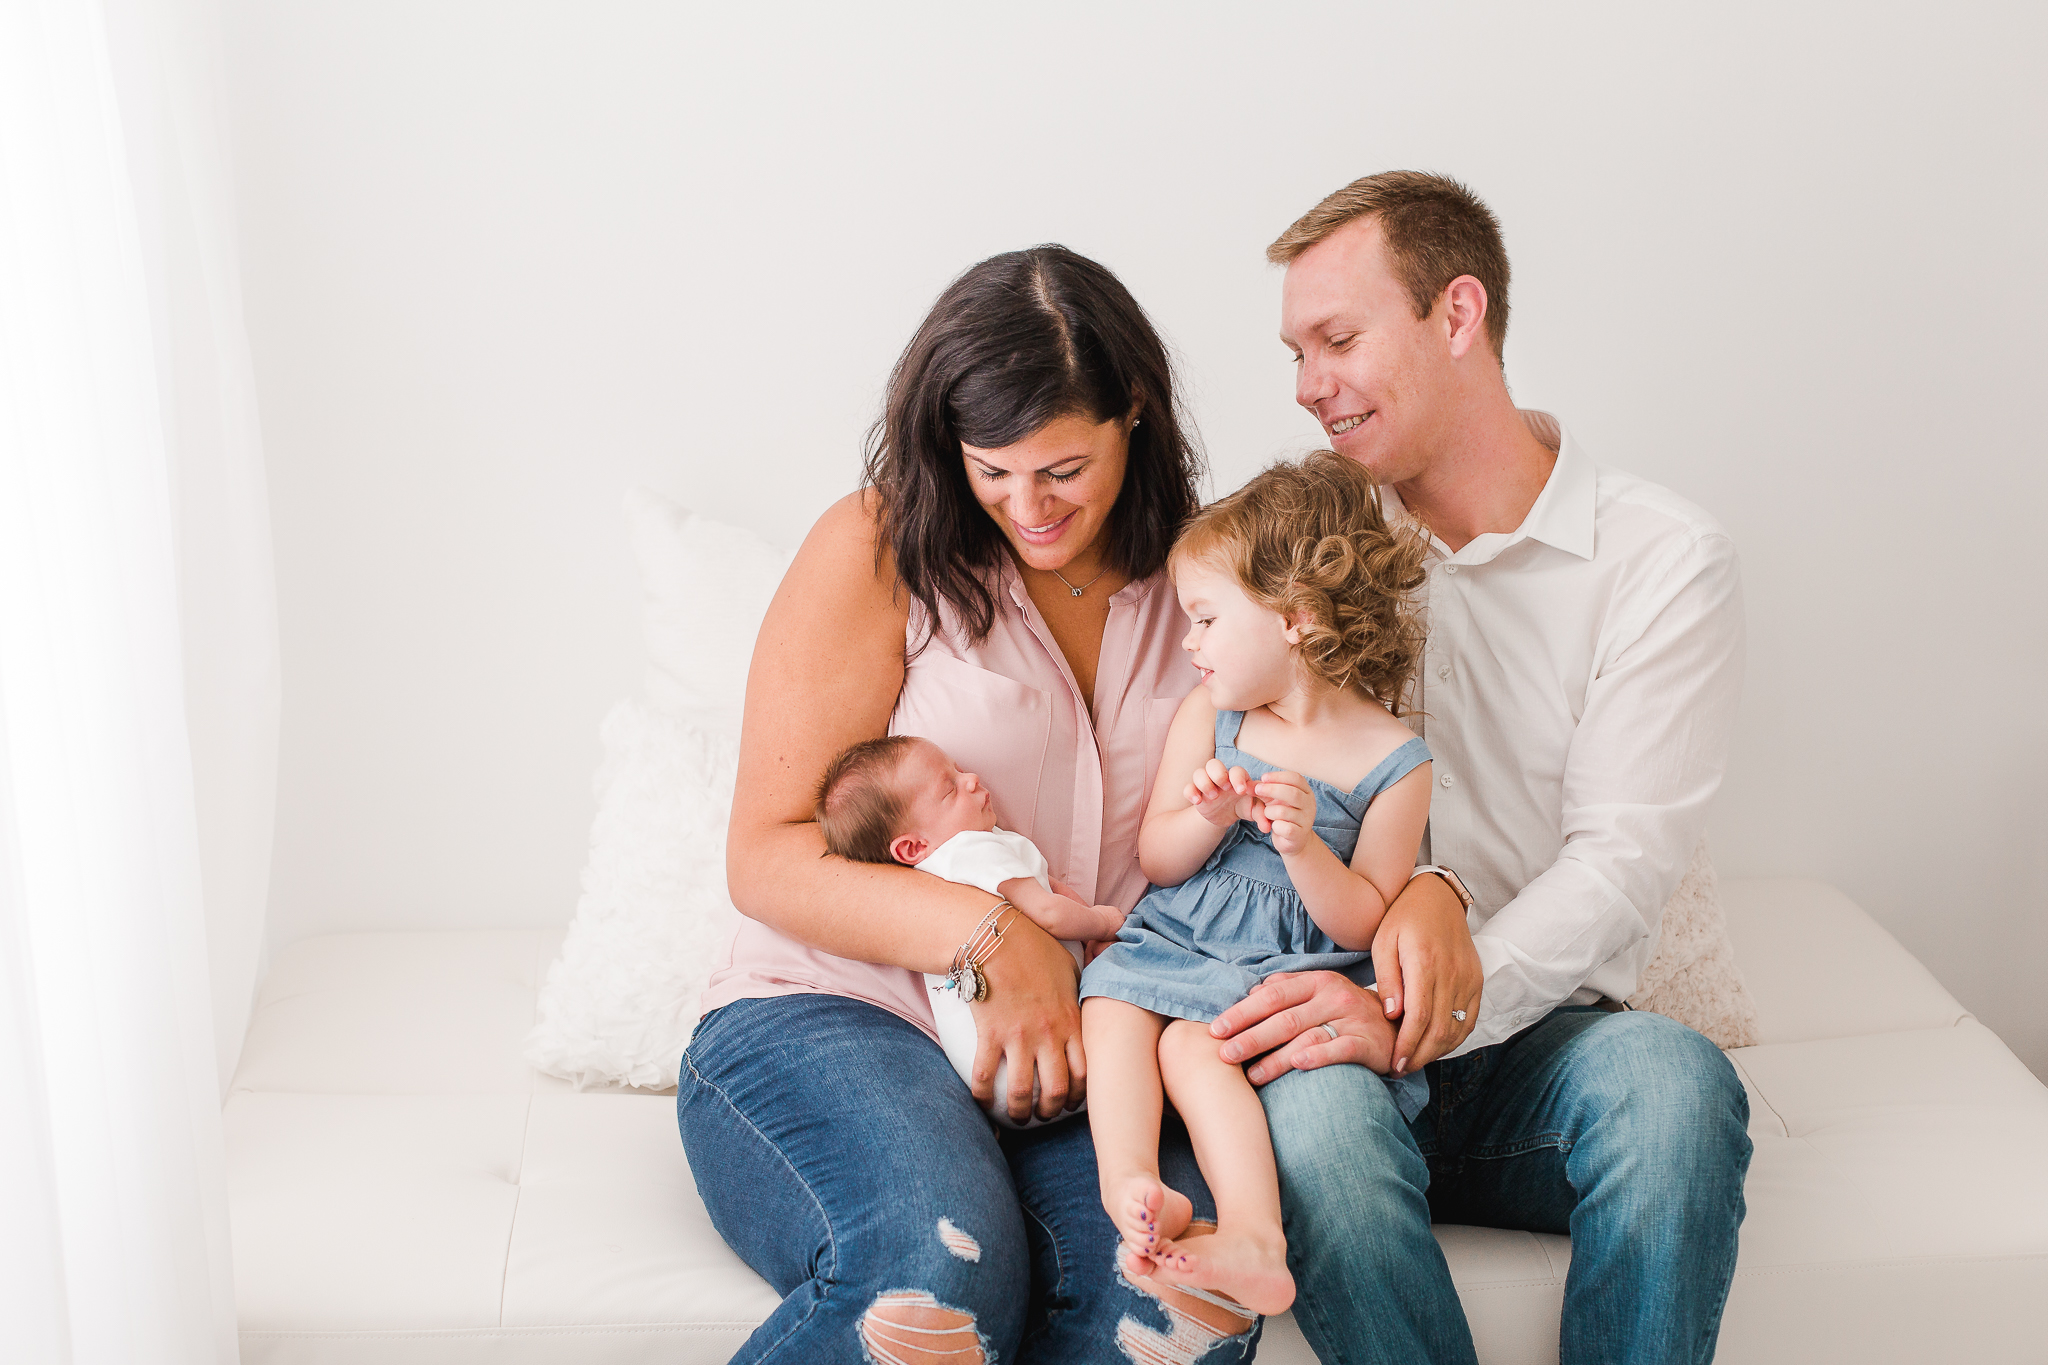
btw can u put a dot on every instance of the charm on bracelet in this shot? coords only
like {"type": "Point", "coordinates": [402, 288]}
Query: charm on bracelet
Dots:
{"type": "Point", "coordinates": [967, 980]}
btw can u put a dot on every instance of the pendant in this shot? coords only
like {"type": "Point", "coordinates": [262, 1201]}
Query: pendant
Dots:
{"type": "Point", "coordinates": [1078, 591]}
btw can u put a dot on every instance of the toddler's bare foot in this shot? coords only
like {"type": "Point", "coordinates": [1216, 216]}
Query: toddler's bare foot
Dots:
{"type": "Point", "coordinates": [1252, 1271]}
{"type": "Point", "coordinates": [1148, 1215]}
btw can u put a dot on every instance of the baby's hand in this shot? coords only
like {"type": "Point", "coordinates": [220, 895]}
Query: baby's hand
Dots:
{"type": "Point", "coordinates": [1289, 811]}
{"type": "Point", "coordinates": [1063, 914]}
{"type": "Point", "coordinates": [1222, 795]}
{"type": "Point", "coordinates": [1067, 918]}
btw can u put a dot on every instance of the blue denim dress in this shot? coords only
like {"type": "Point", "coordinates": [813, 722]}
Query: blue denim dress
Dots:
{"type": "Point", "coordinates": [1194, 950]}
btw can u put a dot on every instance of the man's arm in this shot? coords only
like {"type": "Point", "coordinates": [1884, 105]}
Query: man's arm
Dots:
{"type": "Point", "coordinates": [1645, 760]}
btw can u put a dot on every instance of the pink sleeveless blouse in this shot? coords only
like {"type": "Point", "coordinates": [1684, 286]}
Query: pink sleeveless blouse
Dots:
{"type": "Point", "coordinates": [1008, 708]}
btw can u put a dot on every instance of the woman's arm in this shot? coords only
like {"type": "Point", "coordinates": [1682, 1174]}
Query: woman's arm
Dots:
{"type": "Point", "coordinates": [826, 671]}
{"type": "Point", "coordinates": [1186, 819]}
{"type": "Point", "coordinates": [1348, 903]}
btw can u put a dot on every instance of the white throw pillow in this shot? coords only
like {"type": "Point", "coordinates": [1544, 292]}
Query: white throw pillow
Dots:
{"type": "Point", "coordinates": [1693, 977]}
{"type": "Point", "coordinates": [619, 1004]}
{"type": "Point", "coordinates": [708, 586]}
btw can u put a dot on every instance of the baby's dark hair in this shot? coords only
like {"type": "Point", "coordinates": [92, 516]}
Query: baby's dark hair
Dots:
{"type": "Point", "coordinates": [1309, 540]}
{"type": "Point", "coordinates": [857, 809]}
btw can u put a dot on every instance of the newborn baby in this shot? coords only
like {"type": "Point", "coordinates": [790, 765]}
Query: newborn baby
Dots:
{"type": "Point", "coordinates": [902, 800]}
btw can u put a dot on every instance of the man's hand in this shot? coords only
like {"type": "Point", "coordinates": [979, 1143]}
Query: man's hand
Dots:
{"type": "Point", "coordinates": [1223, 795]}
{"type": "Point", "coordinates": [1427, 967]}
{"type": "Point", "coordinates": [1283, 1018]}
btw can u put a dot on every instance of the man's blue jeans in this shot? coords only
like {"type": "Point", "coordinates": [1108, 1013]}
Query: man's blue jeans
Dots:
{"type": "Point", "coordinates": [843, 1159]}
{"type": "Point", "coordinates": [1627, 1131]}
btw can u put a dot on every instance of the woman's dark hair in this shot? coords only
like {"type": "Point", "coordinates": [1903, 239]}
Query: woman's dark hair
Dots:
{"type": "Point", "coordinates": [1014, 343]}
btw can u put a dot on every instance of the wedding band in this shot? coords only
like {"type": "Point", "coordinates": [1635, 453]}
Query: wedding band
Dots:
{"type": "Point", "coordinates": [1330, 1029]}
{"type": "Point", "coordinates": [1458, 1015]}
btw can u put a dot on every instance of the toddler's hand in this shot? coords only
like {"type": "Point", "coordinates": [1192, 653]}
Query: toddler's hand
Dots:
{"type": "Point", "coordinates": [1222, 795]}
{"type": "Point", "coordinates": [1288, 811]}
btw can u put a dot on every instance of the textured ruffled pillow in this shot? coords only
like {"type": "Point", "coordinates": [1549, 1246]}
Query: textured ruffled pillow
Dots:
{"type": "Point", "coordinates": [620, 1002]}
{"type": "Point", "coordinates": [1693, 977]}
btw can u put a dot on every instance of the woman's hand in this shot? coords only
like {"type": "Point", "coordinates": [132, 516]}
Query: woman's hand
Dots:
{"type": "Point", "coordinates": [1283, 1019]}
{"type": "Point", "coordinates": [1427, 967]}
{"type": "Point", "coordinates": [1031, 1021]}
{"type": "Point", "coordinates": [1287, 811]}
{"type": "Point", "coordinates": [1222, 795]}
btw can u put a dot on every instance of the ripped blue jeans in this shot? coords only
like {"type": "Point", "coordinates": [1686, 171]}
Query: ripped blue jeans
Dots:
{"type": "Point", "coordinates": [841, 1157]}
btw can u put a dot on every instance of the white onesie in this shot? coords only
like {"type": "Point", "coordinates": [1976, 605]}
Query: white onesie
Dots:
{"type": "Point", "coordinates": [987, 860]}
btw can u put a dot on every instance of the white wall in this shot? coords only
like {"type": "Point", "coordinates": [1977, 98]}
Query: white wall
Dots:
{"type": "Point", "coordinates": [505, 259]}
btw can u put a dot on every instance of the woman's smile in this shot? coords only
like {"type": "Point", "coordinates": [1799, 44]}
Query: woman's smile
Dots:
{"type": "Point", "coordinates": [1043, 535]}
{"type": "Point", "coordinates": [1051, 493]}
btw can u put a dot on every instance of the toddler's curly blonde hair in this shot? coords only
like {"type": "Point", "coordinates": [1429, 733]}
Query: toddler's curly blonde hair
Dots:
{"type": "Point", "coordinates": [1309, 540]}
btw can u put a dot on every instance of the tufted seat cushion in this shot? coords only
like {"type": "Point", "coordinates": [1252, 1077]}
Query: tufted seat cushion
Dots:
{"type": "Point", "coordinates": [406, 1189]}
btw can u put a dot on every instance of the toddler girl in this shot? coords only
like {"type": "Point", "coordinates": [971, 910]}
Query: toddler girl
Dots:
{"type": "Point", "coordinates": [901, 799]}
{"type": "Point", "coordinates": [1299, 825]}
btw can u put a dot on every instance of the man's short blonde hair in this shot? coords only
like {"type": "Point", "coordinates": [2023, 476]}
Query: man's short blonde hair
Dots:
{"type": "Point", "coordinates": [1435, 230]}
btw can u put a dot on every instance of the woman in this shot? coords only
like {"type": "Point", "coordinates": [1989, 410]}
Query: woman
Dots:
{"type": "Point", "coordinates": [997, 587]}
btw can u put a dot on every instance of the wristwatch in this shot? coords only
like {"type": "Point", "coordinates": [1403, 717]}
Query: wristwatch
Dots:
{"type": "Point", "coordinates": [1450, 879]}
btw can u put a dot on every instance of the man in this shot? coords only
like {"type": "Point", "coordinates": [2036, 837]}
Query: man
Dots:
{"type": "Point", "coordinates": [1578, 692]}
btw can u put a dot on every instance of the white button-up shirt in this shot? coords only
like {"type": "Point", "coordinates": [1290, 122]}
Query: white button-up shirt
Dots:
{"type": "Point", "coordinates": [1578, 693]}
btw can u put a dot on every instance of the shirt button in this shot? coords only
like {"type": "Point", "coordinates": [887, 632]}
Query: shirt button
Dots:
{"type": "Point", "coordinates": [1449, 781]}
{"type": "Point", "coordinates": [1443, 671]}
{"type": "Point", "coordinates": [1450, 568]}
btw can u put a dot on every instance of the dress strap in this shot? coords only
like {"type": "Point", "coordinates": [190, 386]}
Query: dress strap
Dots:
{"type": "Point", "coordinates": [1228, 723]}
{"type": "Point", "coordinates": [1393, 768]}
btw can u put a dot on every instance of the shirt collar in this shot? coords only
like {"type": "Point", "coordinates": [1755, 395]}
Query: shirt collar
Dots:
{"type": "Point", "coordinates": [1562, 515]}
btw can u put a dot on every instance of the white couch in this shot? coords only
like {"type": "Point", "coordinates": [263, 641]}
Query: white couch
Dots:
{"type": "Point", "coordinates": [406, 1189]}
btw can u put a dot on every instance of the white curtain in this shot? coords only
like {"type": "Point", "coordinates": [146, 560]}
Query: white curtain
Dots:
{"type": "Point", "coordinates": [138, 683]}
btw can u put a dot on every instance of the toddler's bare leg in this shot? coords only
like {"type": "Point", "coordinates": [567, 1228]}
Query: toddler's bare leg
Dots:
{"type": "Point", "coordinates": [1247, 1257]}
{"type": "Point", "coordinates": [1124, 1104]}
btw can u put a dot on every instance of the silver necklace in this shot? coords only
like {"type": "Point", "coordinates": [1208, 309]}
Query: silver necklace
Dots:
{"type": "Point", "coordinates": [1083, 588]}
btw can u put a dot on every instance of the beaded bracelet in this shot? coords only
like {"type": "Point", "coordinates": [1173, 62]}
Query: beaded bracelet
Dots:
{"type": "Point", "coordinates": [966, 978]}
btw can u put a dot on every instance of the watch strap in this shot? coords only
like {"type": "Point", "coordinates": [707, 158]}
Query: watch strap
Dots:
{"type": "Point", "coordinates": [1450, 878]}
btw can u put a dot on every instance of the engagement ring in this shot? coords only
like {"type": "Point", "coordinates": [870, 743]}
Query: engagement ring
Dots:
{"type": "Point", "coordinates": [1458, 1015]}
